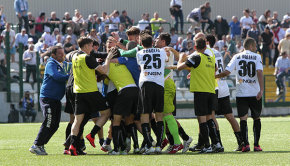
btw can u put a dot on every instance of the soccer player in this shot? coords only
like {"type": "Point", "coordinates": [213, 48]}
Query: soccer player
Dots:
{"type": "Point", "coordinates": [151, 82]}
{"type": "Point", "coordinates": [223, 93]}
{"type": "Point", "coordinates": [250, 87]}
{"type": "Point", "coordinates": [88, 99]}
{"type": "Point", "coordinates": [202, 84]}
{"type": "Point", "coordinates": [51, 92]}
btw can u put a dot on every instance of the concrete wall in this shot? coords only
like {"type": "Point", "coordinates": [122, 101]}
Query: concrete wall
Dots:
{"type": "Point", "coordinates": [225, 8]}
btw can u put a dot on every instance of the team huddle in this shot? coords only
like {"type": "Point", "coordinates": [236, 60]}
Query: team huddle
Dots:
{"type": "Point", "coordinates": [138, 95]}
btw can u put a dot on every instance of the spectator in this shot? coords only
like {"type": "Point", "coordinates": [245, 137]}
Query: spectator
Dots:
{"type": "Point", "coordinates": [286, 21]}
{"type": "Point", "coordinates": [206, 16]}
{"type": "Point", "coordinates": [105, 18]}
{"type": "Point", "coordinates": [55, 33]}
{"type": "Point", "coordinates": [143, 23]}
{"type": "Point", "coordinates": [39, 28]}
{"type": "Point", "coordinates": [68, 47]}
{"type": "Point", "coordinates": [38, 45]}
{"type": "Point", "coordinates": [160, 30]}
{"type": "Point", "coordinates": [282, 69]}
{"type": "Point", "coordinates": [279, 34]}
{"type": "Point", "coordinates": [31, 21]}
{"type": "Point", "coordinates": [189, 45]}
{"type": "Point", "coordinates": [43, 50]}
{"type": "Point", "coordinates": [67, 20]}
{"type": "Point", "coordinates": [221, 27]}
{"type": "Point", "coordinates": [54, 21]}
{"type": "Point", "coordinates": [21, 38]}
{"type": "Point", "coordinates": [104, 38]}
{"type": "Point", "coordinates": [33, 36]}
{"type": "Point", "coordinates": [284, 45]}
{"type": "Point", "coordinates": [196, 31]}
{"type": "Point", "coordinates": [246, 22]}
{"type": "Point", "coordinates": [12, 49]}
{"type": "Point", "coordinates": [78, 21]}
{"type": "Point", "coordinates": [2, 20]}
{"type": "Point", "coordinates": [194, 17]}
{"type": "Point", "coordinates": [226, 55]}
{"type": "Point", "coordinates": [29, 57]}
{"type": "Point", "coordinates": [114, 21]}
{"type": "Point", "coordinates": [154, 22]}
{"type": "Point", "coordinates": [73, 36]}
{"type": "Point", "coordinates": [235, 27]}
{"type": "Point", "coordinates": [263, 20]}
{"type": "Point", "coordinates": [26, 107]}
{"type": "Point", "coordinates": [185, 41]}
{"type": "Point", "coordinates": [122, 32]}
{"type": "Point", "coordinates": [255, 34]}
{"type": "Point", "coordinates": [174, 37]}
{"type": "Point", "coordinates": [30, 41]}
{"type": "Point", "coordinates": [176, 5]}
{"type": "Point", "coordinates": [231, 45]}
{"type": "Point", "coordinates": [21, 9]}
{"type": "Point", "coordinates": [48, 39]}
{"type": "Point", "coordinates": [275, 19]}
{"type": "Point", "coordinates": [178, 45]}
{"type": "Point", "coordinates": [254, 16]}
{"type": "Point", "coordinates": [58, 40]}
{"type": "Point", "coordinates": [239, 47]}
{"type": "Point", "coordinates": [100, 26]}
{"type": "Point", "coordinates": [83, 33]}
{"type": "Point", "coordinates": [93, 35]}
{"type": "Point", "coordinates": [125, 19]}
{"type": "Point", "coordinates": [90, 23]}
{"type": "Point", "coordinates": [267, 44]}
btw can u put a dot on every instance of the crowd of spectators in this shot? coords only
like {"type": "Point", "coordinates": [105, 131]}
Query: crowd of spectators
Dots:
{"type": "Point", "coordinates": [41, 32]}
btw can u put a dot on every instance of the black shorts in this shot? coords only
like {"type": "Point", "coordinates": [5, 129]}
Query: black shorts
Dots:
{"type": "Point", "coordinates": [111, 98]}
{"type": "Point", "coordinates": [224, 106]}
{"type": "Point", "coordinates": [152, 98]}
{"type": "Point", "coordinates": [126, 102]}
{"type": "Point", "coordinates": [203, 103]}
{"type": "Point", "coordinates": [70, 98]}
{"type": "Point", "coordinates": [89, 103]}
{"type": "Point", "coordinates": [137, 115]}
{"type": "Point", "coordinates": [244, 103]}
{"type": "Point", "coordinates": [215, 101]}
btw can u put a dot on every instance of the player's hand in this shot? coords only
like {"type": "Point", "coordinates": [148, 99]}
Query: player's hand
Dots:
{"type": "Point", "coordinates": [115, 35]}
{"type": "Point", "coordinates": [183, 57]}
{"type": "Point", "coordinates": [188, 76]}
{"type": "Point", "coordinates": [259, 95]}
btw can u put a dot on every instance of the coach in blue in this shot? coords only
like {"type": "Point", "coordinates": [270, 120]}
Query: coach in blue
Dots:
{"type": "Point", "coordinates": [51, 92]}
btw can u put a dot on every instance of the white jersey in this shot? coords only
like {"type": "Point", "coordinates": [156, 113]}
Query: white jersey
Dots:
{"type": "Point", "coordinates": [246, 63]}
{"type": "Point", "coordinates": [222, 83]}
{"type": "Point", "coordinates": [152, 64]}
{"type": "Point", "coordinates": [170, 62]}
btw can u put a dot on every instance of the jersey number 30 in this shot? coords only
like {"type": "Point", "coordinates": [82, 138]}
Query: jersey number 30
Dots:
{"type": "Point", "coordinates": [156, 61]}
{"type": "Point", "coordinates": [247, 69]}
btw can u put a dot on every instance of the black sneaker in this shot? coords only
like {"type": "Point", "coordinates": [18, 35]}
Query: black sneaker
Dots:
{"type": "Point", "coordinates": [239, 148]}
{"type": "Point", "coordinates": [82, 145]}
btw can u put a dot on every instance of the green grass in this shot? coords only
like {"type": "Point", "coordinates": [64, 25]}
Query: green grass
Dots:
{"type": "Point", "coordinates": [15, 140]}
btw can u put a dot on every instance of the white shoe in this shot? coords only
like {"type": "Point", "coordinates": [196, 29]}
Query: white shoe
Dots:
{"type": "Point", "coordinates": [136, 151]}
{"type": "Point", "coordinates": [158, 150]}
{"type": "Point", "coordinates": [168, 149]}
{"type": "Point", "coordinates": [206, 150]}
{"type": "Point", "coordinates": [154, 143]}
{"type": "Point", "coordinates": [151, 150]}
{"type": "Point", "coordinates": [142, 150]}
{"type": "Point", "coordinates": [114, 153]}
{"type": "Point", "coordinates": [128, 144]}
{"type": "Point", "coordinates": [217, 147]}
{"type": "Point", "coordinates": [38, 150]}
{"type": "Point", "coordinates": [106, 148]}
{"type": "Point", "coordinates": [186, 145]}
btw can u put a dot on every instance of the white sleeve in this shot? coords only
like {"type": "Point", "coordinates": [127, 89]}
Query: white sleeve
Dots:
{"type": "Point", "coordinates": [232, 65]}
{"type": "Point", "coordinates": [259, 63]}
{"type": "Point", "coordinates": [137, 58]}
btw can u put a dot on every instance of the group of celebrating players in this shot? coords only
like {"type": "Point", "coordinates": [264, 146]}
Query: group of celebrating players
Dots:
{"type": "Point", "coordinates": [138, 94]}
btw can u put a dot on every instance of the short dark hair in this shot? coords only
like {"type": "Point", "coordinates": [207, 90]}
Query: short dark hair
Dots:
{"type": "Point", "coordinates": [146, 32]}
{"type": "Point", "coordinates": [211, 39]}
{"type": "Point", "coordinates": [54, 49]}
{"type": "Point", "coordinates": [133, 31]}
{"type": "Point", "coordinates": [83, 41]}
{"type": "Point", "coordinates": [202, 7]}
{"type": "Point", "coordinates": [172, 29]}
{"type": "Point", "coordinates": [247, 10]}
{"type": "Point", "coordinates": [200, 44]}
{"type": "Point", "coordinates": [166, 37]}
{"type": "Point", "coordinates": [95, 43]}
{"type": "Point", "coordinates": [124, 11]}
{"type": "Point", "coordinates": [248, 42]}
{"type": "Point", "coordinates": [130, 45]}
{"type": "Point", "coordinates": [146, 40]}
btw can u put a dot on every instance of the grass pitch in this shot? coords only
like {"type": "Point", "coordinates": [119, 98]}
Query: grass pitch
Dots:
{"type": "Point", "coordinates": [15, 140]}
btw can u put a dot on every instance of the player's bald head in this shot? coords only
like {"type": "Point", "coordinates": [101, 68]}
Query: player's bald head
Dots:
{"type": "Point", "coordinates": [199, 35]}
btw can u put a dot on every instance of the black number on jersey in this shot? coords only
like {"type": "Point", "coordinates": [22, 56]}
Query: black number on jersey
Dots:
{"type": "Point", "coordinates": [220, 65]}
{"type": "Point", "coordinates": [247, 69]}
{"type": "Point", "coordinates": [156, 61]}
